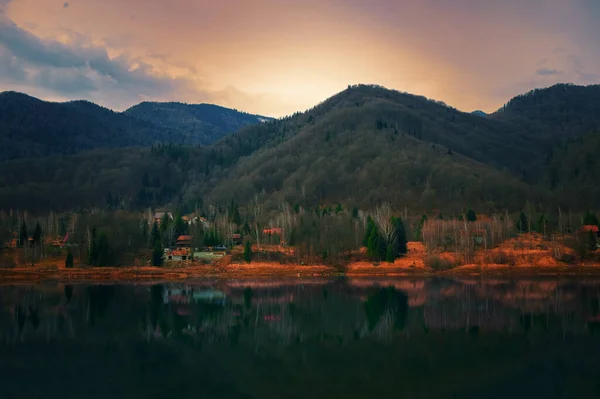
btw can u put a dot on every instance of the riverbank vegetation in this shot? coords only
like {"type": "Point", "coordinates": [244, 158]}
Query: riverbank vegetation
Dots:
{"type": "Point", "coordinates": [384, 238]}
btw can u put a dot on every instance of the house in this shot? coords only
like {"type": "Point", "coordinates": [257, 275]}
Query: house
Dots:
{"type": "Point", "coordinates": [159, 216]}
{"type": "Point", "coordinates": [192, 220]}
{"type": "Point", "coordinates": [591, 227]}
{"type": "Point", "coordinates": [272, 231]}
{"type": "Point", "coordinates": [184, 242]}
{"type": "Point", "coordinates": [236, 239]}
{"type": "Point", "coordinates": [178, 255]}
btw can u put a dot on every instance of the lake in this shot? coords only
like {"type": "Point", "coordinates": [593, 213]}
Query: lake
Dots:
{"type": "Point", "coordinates": [303, 338]}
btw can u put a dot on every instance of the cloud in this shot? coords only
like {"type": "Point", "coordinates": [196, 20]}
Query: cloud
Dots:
{"type": "Point", "coordinates": [83, 70]}
{"type": "Point", "coordinates": [548, 72]}
{"type": "Point", "coordinates": [66, 4]}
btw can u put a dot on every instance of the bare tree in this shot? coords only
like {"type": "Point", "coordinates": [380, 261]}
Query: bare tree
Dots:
{"type": "Point", "coordinates": [383, 219]}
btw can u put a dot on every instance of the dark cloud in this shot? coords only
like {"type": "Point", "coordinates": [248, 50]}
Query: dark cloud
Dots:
{"type": "Point", "coordinates": [65, 4]}
{"type": "Point", "coordinates": [78, 69]}
{"type": "Point", "coordinates": [548, 72]}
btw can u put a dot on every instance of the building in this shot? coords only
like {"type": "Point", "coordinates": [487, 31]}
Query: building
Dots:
{"type": "Point", "coordinates": [184, 242]}
{"type": "Point", "coordinates": [272, 231]}
{"type": "Point", "coordinates": [591, 227]}
{"type": "Point", "coordinates": [236, 239]}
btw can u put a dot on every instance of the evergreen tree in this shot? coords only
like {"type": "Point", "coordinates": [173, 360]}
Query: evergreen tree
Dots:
{"type": "Point", "coordinates": [157, 254]}
{"type": "Point", "coordinates": [154, 235]}
{"type": "Point", "coordinates": [69, 260]}
{"type": "Point", "coordinates": [389, 254]}
{"type": "Point", "coordinates": [523, 224]}
{"type": "Point", "coordinates": [590, 218]}
{"type": "Point", "coordinates": [248, 252]}
{"type": "Point", "coordinates": [23, 234]}
{"type": "Point", "coordinates": [236, 217]}
{"type": "Point", "coordinates": [164, 224]}
{"type": "Point", "coordinates": [376, 245]}
{"type": "Point", "coordinates": [246, 228]}
{"type": "Point", "coordinates": [93, 250]}
{"type": "Point", "coordinates": [592, 241]}
{"type": "Point", "coordinates": [400, 240]}
{"type": "Point", "coordinates": [471, 215]}
{"type": "Point", "coordinates": [370, 227]}
{"type": "Point", "coordinates": [180, 225]}
{"type": "Point", "coordinates": [104, 257]}
{"type": "Point", "coordinates": [37, 234]}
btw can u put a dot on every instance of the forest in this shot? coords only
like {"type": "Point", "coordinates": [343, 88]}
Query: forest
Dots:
{"type": "Point", "coordinates": [361, 148]}
{"type": "Point", "coordinates": [31, 128]}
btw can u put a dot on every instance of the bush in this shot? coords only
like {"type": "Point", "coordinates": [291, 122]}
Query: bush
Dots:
{"type": "Point", "coordinates": [69, 260]}
{"type": "Point", "coordinates": [438, 263]}
{"type": "Point", "coordinates": [248, 252]}
{"type": "Point", "coordinates": [502, 258]}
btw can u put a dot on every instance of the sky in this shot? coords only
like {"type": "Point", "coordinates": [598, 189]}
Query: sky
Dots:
{"type": "Point", "coordinates": [276, 57]}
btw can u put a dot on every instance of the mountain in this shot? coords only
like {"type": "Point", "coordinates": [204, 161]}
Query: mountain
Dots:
{"type": "Point", "coordinates": [478, 113]}
{"type": "Point", "coordinates": [207, 122]}
{"type": "Point", "coordinates": [360, 147]}
{"type": "Point", "coordinates": [30, 127]}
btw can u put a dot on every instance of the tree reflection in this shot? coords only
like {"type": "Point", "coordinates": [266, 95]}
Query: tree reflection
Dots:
{"type": "Point", "coordinates": [389, 304]}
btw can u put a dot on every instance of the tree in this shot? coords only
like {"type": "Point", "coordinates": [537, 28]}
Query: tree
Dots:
{"type": "Point", "coordinates": [164, 224]}
{"type": "Point", "coordinates": [389, 254]}
{"type": "Point", "coordinates": [180, 225]}
{"type": "Point", "coordinates": [400, 240]}
{"type": "Point", "coordinates": [37, 234]}
{"type": "Point", "coordinates": [248, 252]}
{"type": "Point", "coordinates": [93, 249]}
{"type": "Point", "coordinates": [591, 241]}
{"type": "Point", "coordinates": [376, 245]}
{"type": "Point", "coordinates": [69, 260]}
{"type": "Point", "coordinates": [154, 235]}
{"type": "Point", "coordinates": [523, 223]}
{"type": "Point", "coordinates": [23, 234]}
{"type": "Point", "coordinates": [471, 215]}
{"type": "Point", "coordinates": [590, 219]}
{"type": "Point", "coordinates": [157, 254]}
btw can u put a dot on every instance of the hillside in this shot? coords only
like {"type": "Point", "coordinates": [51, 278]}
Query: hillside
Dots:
{"type": "Point", "coordinates": [30, 127]}
{"type": "Point", "coordinates": [207, 123]}
{"type": "Point", "coordinates": [362, 146]}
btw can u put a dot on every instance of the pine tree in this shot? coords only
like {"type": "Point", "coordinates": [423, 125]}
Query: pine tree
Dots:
{"type": "Point", "coordinates": [389, 255]}
{"type": "Point", "coordinates": [93, 250]}
{"type": "Point", "coordinates": [23, 234]}
{"type": "Point", "coordinates": [164, 224]}
{"type": "Point", "coordinates": [592, 241]}
{"type": "Point", "coordinates": [236, 217]}
{"type": "Point", "coordinates": [590, 219]}
{"type": "Point", "coordinates": [471, 215]}
{"type": "Point", "coordinates": [370, 227]}
{"type": "Point", "coordinates": [69, 260]}
{"type": "Point", "coordinates": [157, 254]}
{"type": "Point", "coordinates": [37, 234]}
{"type": "Point", "coordinates": [154, 235]}
{"type": "Point", "coordinates": [248, 252]}
{"type": "Point", "coordinates": [523, 223]}
{"type": "Point", "coordinates": [180, 225]}
{"type": "Point", "coordinates": [400, 239]}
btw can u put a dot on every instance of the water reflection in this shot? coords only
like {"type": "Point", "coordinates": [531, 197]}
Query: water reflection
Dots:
{"type": "Point", "coordinates": [299, 338]}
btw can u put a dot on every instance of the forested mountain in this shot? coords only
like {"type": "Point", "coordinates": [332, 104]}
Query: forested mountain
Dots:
{"type": "Point", "coordinates": [206, 122]}
{"type": "Point", "coordinates": [33, 128]}
{"type": "Point", "coordinates": [360, 147]}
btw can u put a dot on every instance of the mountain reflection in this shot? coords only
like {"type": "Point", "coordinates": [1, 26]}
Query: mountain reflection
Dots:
{"type": "Point", "coordinates": [425, 337]}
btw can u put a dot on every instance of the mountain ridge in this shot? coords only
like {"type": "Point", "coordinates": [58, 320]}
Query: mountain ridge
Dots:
{"type": "Point", "coordinates": [30, 127]}
{"type": "Point", "coordinates": [362, 146]}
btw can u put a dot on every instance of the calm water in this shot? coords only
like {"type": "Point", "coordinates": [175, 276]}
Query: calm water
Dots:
{"type": "Point", "coordinates": [348, 338]}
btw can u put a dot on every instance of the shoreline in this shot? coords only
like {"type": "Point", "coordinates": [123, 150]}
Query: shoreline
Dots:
{"type": "Point", "coordinates": [273, 270]}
